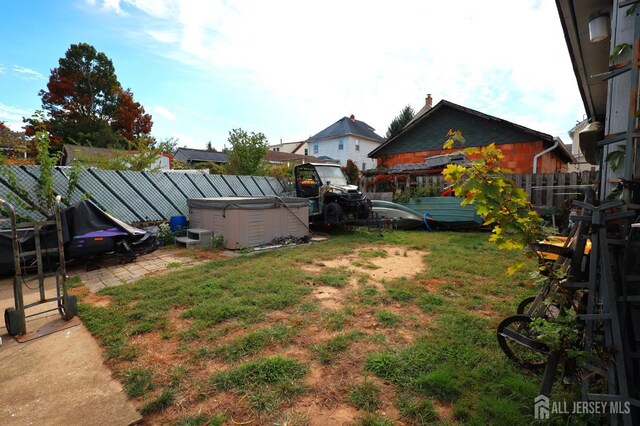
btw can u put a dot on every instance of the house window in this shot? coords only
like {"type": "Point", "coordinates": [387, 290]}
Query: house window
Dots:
{"type": "Point", "coordinates": [340, 145]}
{"type": "Point", "coordinates": [357, 145]}
{"type": "Point", "coordinates": [364, 166]}
{"type": "Point", "coordinates": [306, 151]}
{"type": "Point", "coordinates": [315, 148]}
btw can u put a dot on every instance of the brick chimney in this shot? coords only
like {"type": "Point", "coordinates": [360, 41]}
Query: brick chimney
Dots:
{"type": "Point", "coordinates": [429, 100]}
{"type": "Point", "coordinates": [353, 117]}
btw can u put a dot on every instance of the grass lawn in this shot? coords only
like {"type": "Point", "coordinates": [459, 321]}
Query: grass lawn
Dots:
{"type": "Point", "coordinates": [357, 330]}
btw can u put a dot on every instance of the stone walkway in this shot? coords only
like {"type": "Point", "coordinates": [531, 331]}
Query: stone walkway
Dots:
{"type": "Point", "coordinates": [153, 263]}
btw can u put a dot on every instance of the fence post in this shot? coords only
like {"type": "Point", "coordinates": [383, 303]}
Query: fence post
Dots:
{"type": "Point", "coordinates": [550, 191]}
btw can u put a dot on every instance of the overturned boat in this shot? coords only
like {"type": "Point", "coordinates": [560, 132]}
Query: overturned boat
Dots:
{"type": "Point", "coordinates": [403, 217]}
{"type": "Point", "coordinates": [445, 212]}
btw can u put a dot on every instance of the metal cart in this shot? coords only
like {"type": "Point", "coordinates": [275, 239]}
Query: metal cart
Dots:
{"type": "Point", "coordinates": [34, 258]}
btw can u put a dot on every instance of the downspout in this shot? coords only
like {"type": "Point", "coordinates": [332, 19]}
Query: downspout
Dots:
{"type": "Point", "coordinates": [540, 154]}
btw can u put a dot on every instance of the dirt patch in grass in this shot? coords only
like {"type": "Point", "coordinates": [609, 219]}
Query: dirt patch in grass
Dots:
{"type": "Point", "coordinates": [176, 322]}
{"type": "Point", "coordinates": [370, 263]}
{"type": "Point", "coordinates": [397, 262]}
{"type": "Point", "coordinates": [327, 401]}
{"type": "Point", "coordinates": [342, 414]}
{"type": "Point", "coordinates": [445, 412]}
{"type": "Point", "coordinates": [329, 297]}
{"type": "Point", "coordinates": [432, 284]}
{"type": "Point", "coordinates": [158, 351]}
{"type": "Point", "coordinates": [95, 299]}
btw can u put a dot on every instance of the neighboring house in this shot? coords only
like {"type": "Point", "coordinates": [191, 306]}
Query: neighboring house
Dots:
{"type": "Point", "coordinates": [279, 157]}
{"type": "Point", "coordinates": [86, 153]}
{"type": "Point", "coordinates": [346, 139]}
{"type": "Point", "coordinates": [423, 138]}
{"type": "Point", "coordinates": [592, 29]}
{"type": "Point", "coordinates": [13, 145]}
{"type": "Point", "coordinates": [14, 152]}
{"type": "Point", "coordinates": [581, 163]}
{"type": "Point", "coordinates": [191, 157]}
{"type": "Point", "coordinates": [428, 104]}
{"type": "Point", "coordinates": [291, 147]}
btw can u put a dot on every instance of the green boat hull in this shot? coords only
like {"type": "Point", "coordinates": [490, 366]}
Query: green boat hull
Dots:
{"type": "Point", "coordinates": [446, 210]}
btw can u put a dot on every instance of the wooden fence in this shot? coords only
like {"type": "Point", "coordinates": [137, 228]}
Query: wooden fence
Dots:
{"type": "Point", "coordinates": [545, 190]}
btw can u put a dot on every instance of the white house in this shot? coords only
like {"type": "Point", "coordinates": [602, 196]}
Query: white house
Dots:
{"type": "Point", "coordinates": [291, 147]}
{"type": "Point", "coordinates": [346, 139]}
{"type": "Point", "coordinates": [581, 163]}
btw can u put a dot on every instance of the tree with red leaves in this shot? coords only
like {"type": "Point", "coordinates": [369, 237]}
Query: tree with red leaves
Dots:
{"type": "Point", "coordinates": [130, 118]}
{"type": "Point", "coordinates": [85, 104]}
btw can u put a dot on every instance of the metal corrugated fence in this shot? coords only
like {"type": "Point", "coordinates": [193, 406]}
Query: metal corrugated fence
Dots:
{"type": "Point", "coordinates": [136, 197]}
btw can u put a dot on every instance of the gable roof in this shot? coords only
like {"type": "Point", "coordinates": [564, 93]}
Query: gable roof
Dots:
{"type": "Point", "coordinates": [300, 145]}
{"type": "Point", "coordinates": [297, 145]}
{"type": "Point", "coordinates": [190, 155]}
{"type": "Point", "coordinates": [71, 152]}
{"type": "Point", "coordinates": [419, 114]}
{"type": "Point", "coordinates": [429, 131]}
{"type": "Point", "coordinates": [283, 157]}
{"type": "Point", "coordinates": [348, 126]}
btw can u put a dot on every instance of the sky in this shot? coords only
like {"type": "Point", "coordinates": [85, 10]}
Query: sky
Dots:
{"type": "Point", "coordinates": [290, 68]}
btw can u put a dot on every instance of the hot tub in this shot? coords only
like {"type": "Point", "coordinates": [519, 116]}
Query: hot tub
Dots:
{"type": "Point", "coordinates": [250, 221]}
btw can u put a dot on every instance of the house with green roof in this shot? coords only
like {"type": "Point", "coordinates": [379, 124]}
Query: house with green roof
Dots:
{"type": "Point", "coordinates": [525, 150]}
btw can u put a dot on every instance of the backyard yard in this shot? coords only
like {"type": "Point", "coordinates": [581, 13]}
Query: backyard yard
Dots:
{"type": "Point", "coordinates": [359, 329]}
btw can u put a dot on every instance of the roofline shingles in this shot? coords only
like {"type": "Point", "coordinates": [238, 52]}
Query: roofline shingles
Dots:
{"type": "Point", "coordinates": [443, 104]}
{"type": "Point", "coordinates": [345, 127]}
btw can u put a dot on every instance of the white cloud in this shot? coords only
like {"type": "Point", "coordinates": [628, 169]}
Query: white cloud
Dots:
{"type": "Point", "coordinates": [12, 116]}
{"type": "Point", "coordinates": [186, 140]}
{"type": "Point", "coordinates": [164, 112]}
{"type": "Point", "coordinates": [27, 72]}
{"type": "Point", "coordinates": [333, 58]}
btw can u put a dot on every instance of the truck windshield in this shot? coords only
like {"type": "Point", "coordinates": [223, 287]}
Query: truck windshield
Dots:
{"type": "Point", "coordinates": [331, 174]}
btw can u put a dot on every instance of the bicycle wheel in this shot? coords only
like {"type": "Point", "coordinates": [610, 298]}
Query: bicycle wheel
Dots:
{"type": "Point", "coordinates": [523, 307]}
{"type": "Point", "coordinates": [544, 310]}
{"type": "Point", "coordinates": [518, 343]}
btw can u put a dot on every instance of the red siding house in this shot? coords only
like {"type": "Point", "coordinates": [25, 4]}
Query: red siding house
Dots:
{"type": "Point", "coordinates": [423, 138]}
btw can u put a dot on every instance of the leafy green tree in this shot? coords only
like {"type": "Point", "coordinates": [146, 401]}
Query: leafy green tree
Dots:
{"type": "Point", "coordinates": [281, 171]}
{"type": "Point", "coordinates": [214, 168]}
{"type": "Point", "coordinates": [505, 206]}
{"type": "Point", "coordinates": [164, 146]}
{"type": "Point", "coordinates": [43, 199]}
{"type": "Point", "coordinates": [401, 120]}
{"type": "Point", "coordinates": [247, 152]}
{"type": "Point", "coordinates": [143, 154]}
{"type": "Point", "coordinates": [86, 104]}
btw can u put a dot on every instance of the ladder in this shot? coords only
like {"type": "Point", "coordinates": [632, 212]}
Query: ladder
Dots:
{"type": "Point", "coordinates": [608, 336]}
